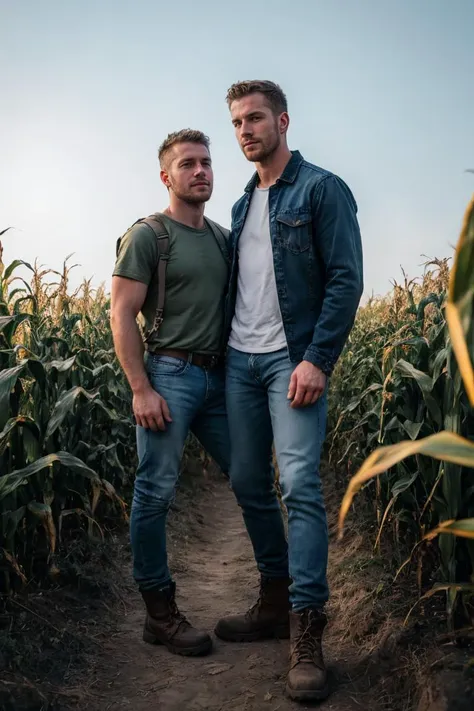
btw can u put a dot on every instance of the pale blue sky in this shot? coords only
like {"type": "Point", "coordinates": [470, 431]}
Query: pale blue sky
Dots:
{"type": "Point", "coordinates": [379, 92]}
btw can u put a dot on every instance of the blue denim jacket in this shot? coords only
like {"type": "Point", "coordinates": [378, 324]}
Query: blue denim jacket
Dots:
{"type": "Point", "coordinates": [317, 256]}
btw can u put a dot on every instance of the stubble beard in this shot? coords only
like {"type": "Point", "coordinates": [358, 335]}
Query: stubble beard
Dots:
{"type": "Point", "coordinates": [266, 149]}
{"type": "Point", "coordinates": [192, 198]}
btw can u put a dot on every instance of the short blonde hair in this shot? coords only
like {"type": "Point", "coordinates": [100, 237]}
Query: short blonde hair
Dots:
{"type": "Point", "coordinates": [272, 92]}
{"type": "Point", "coordinates": [186, 135]}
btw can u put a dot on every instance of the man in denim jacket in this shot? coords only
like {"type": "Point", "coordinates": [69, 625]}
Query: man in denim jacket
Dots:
{"type": "Point", "coordinates": [296, 282]}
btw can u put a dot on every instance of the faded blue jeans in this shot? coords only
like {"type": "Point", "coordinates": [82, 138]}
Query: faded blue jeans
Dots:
{"type": "Point", "coordinates": [260, 413]}
{"type": "Point", "coordinates": [196, 399]}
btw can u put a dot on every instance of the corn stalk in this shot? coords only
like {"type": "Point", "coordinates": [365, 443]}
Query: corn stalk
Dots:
{"type": "Point", "coordinates": [425, 398]}
{"type": "Point", "coordinates": [66, 434]}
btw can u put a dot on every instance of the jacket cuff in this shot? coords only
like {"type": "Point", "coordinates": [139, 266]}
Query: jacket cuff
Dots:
{"type": "Point", "coordinates": [314, 356]}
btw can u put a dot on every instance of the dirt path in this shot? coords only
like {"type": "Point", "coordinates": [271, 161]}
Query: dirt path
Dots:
{"type": "Point", "coordinates": [216, 574]}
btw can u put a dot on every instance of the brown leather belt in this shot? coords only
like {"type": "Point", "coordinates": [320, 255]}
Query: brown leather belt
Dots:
{"type": "Point", "coordinates": [203, 360]}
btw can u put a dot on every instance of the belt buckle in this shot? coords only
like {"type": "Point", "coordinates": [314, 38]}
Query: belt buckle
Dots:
{"type": "Point", "coordinates": [212, 362]}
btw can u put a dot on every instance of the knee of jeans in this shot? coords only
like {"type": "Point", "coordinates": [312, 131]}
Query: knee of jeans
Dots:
{"type": "Point", "coordinates": [247, 484]}
{"type": "Point", "coordinates": [300, 486]}
{"type": "Point", "coordinates": [152, 496]}
{"type": "Point", "coordinates": [237, 485]}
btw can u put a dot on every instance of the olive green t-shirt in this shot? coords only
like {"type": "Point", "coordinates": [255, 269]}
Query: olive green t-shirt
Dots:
{"type": "Point", "coordinates": [196, 281]}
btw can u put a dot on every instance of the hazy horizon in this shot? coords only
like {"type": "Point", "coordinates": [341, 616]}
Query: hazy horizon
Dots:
{"type": "Point", "coordinates": [378, 93]}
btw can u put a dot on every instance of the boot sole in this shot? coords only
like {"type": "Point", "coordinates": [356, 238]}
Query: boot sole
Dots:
{"type": "Point", "coordinates": [307, 694]}
{"type": "Point", "coordinates": [199, 651]}
{"type": "Point", "coordinates": [280, 632]}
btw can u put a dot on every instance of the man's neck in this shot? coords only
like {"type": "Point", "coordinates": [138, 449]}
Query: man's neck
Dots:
{"type": "Point", "coordinates": [271, 169]}
{"type": "Point", "coordinates": [189, 214]}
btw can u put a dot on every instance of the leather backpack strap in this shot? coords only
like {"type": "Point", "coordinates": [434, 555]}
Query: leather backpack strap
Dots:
{"type": "Point", "coordinates": [155, 223]}
{"type": "Point", "coordinates": [220, 236]}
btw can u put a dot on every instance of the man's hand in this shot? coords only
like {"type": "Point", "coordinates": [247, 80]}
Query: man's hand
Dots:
{"type": "Point", "coordinates": [306, 384]}
{"type": "Point", "coordinates": [151, 410]}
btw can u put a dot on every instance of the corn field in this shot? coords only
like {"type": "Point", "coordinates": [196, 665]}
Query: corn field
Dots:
{"type": "Point", "coordinates": [402, 401]}
{"type": "Point", "coordinates": [66, 435]}
{"type": "Point", "coordinates": [405, 388]}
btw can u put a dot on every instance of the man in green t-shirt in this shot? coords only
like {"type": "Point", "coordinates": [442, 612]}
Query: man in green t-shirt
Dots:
{"type": "Point", "coordinates": [178, 386]}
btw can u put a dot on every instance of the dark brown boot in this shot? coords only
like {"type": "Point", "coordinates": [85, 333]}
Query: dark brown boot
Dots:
{"type": "Point", "coordinates": [266, 619]}
{"type": "Point", "coordinates": [307, 677]}
{"type": "Point", "coordinates": [165, 624]}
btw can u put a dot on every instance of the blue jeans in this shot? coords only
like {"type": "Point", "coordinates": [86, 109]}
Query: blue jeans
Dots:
{"type": "Point", "coordinates": [196, 399]}
{"type": "Point", "coordinates": [259, 414]}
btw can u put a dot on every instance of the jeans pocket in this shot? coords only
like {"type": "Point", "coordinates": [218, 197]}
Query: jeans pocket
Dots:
{"type": "Point", "coordinates": [166, 365]}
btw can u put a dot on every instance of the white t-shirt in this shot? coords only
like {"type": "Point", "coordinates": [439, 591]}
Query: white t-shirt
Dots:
{"type": "Point", "coordinates": [257, 326]}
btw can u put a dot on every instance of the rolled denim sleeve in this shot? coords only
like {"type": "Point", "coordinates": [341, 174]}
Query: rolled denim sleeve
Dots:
{"type": "Point", "coordinates": [337, 239]}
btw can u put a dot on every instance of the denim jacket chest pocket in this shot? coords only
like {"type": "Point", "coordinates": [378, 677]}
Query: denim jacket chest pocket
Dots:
{"type": "Point", "coordinates": [294, 230]}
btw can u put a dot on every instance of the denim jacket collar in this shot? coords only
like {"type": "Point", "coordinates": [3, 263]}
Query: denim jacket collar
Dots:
{"type": "Point", "coordinates": [288, 176]}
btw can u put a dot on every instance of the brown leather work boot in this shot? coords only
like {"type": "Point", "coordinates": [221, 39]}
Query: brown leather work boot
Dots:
{"type": "Point", "coordinates": [165, 624]}
{"type": "Point", "coordinates": [266, 619]}
{"type": "Point", "coordinates": [307, 677]}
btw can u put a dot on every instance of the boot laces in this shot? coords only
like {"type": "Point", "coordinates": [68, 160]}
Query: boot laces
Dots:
{"type": "Point", "coordinates": [307, 647]}
{"type": "Point", "coordinates": [258, 604]}
{"type": "Point", "coordinates": [176, 614]}
{"type": "Point", "coordinates": [255, 607]}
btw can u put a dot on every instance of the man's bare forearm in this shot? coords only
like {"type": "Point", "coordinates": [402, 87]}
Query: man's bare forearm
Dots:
{"type": "Point", "coordinates": [129, 349]}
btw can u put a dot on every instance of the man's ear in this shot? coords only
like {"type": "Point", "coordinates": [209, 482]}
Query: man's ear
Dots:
{"type": "Point", "coordinates": [164, 176]}
{"type": "Point", "coordinates": [283, 122]}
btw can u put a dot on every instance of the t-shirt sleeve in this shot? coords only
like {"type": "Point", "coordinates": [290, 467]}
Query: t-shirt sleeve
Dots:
{"type": "Point", "coordinates": [138, 255]}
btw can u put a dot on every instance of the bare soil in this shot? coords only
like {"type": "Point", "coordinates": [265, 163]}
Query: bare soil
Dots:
{"type": "Point", "coordinates": [87, 652]}
{"type": "Point", "coordinates": [215, 572]}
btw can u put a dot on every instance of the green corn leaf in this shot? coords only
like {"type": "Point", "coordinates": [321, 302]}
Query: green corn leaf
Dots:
{"type": "Point", "coordinates": [439, 363]}
{"type": "Point", "coordinates": [66, 405]}
{"type": "Point", "coordinates": [5, 321]}
{"type": "Point", "coordinates": [14, 265]}
{"type": "Point", "coordinates": [425, 383]}
{"type": "Point", "coordinates": [8, 381]}
{"type": "Point", "coordinates": [409, 371]}
{"type": "Point", "coordinates": [412, 428]}
{"type": "Point", "coordinates": [355, 402]}
{"type": "Point", "coordinates": [412, 341]}
{"type": "Point", "coordinates": [31, 443]}
{"type": "Point", "coordinates": [392, 424]}
{"type": "Point", "coordinates": [106, 368]}
{"type": "Point", "coordinates": [62, 366]}
{"type": "Point", "coordinates": [38, 371]}
{"type": "Point", "coordinates": [9, 325]}
{"type": "Point", "coordinates": [11, 482]}
{"type": "Point", "coordinates": [28, 425]}
{"type": "Point", "coordinates": [430, 299]}
{"type": "Point", "coordinates": [14, 292]}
